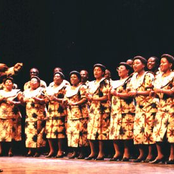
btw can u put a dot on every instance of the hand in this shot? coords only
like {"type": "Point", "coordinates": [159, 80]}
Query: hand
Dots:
{"type": "Point", "coordinates": [18, 66]}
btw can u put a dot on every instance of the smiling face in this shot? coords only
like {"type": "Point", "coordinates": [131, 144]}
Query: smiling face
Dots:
{"type": "Point", "coordinates": [151, 63]}
{"type": "Point", "coordinates": [74, 80]}
{"type": "Point", "coordinates": [138, 65]}
{"type": "Point", "coordinates": [165, 65]}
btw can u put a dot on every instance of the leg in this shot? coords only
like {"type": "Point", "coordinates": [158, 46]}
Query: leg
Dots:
{"type": "Point", "coordinates": [160, 155]}
{"type": "Point", "coordinates": [10, 152]}
{"type": "Point", "coordinates": [141, 156]}
{"type": "Point", "coordinates": [60, 148]}
{"type": "Point", "coordinates": [116, 144]}
{"type": "Point", "coordinates": [150, 153]}
{"type": "Point", "coordinates": [101, 150]}
{"type": "Point", "coordinates": [171, 156]}
{"type": "Point", "coordinates": [51, 153]}
{"type": "Point", "coordinates": [93, 151]}
{"type": "Point", "coordinates": [126, 154]}
{"type": "Point", "coordinates": [0, 148]}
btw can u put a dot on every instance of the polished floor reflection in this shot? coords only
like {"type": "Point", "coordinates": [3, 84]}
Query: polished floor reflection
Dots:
{"type": "Point", "coordinates": [31, 165]}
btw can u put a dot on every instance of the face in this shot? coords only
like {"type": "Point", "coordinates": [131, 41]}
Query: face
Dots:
{"type": "Point", "coordinates": [165, 65]}
{"type": "Point", "coordinates": [57, 79]}
{"type": "Point", "coordinates": [151, 63]}
{"type": "Point", "coordinates": [122, 71]}
{"type": "Point", "coordinates": [57, 69]}
{"type": "Point", "coordinates": [8, 84]}
{"type": "Point", "coordinates": [129, 62]}
{"type": "Point", "coordinates": [34, 72]}
{"type": "Point", "coordinates": [84, 75]}
{"type": "Point", "coordinates": [74, 79]}
{"type": "Point", "coordinates": [34, 83]}
{"type": "Point", "coordinates": [107, 74]}
{"type": "Point", "coordinates": [98, 73]}
{"type": "Point", "coordinates": [138, 65]}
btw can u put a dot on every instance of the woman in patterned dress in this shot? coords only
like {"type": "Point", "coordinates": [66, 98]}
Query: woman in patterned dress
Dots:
{"type": "Point", "coordinates": [164, 121]}
{"type": "Point", "coordinates": [99, 112]}
{"type": "Point", "coordinates": [77, 115]}
{"type": "Point", "coordinates": [10, 116]}
{"type": "Point", "coordinates": [146, 108]}
{"type": "Point", "coordinates": [35, 117]}
{"type": "Point", "coordinates": [122, 113]}
{"type": "Point", "coordinates": [56, 115]}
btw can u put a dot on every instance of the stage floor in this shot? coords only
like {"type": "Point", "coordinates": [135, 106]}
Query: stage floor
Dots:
{"type": "Point", "coordinates": [31, 165]}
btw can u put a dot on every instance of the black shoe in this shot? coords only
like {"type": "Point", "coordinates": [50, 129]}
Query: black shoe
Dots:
{"type": "Point", "coordinates": [100, 159]}
{"type": "Point", "coordinates": [125, 159]}
{"type": "Point", "coordinates": [116, 158]}
{"type": "Point", "coordinates": [37, 154]}
{"type": "Point", "coordinates": [90, 157]}
{"type": "Point", "coordinates": [74, 155]}
{"type": "Point", "coordinates": [60, 156]}
{"type": "Point", "coordinates": [170, 162]}
{"type": "Point", "coordinates": [81, 156]}
{"type": "Point", "coordinates": [29, 155]}
{"type": "Point", "coordinates": [50, 155]}
{"type": "Point", "coordinates": [138, 160]}
{"type": "Point", "coordinates": [1, 170]}
{"type": "Point", "coordinates": [157, 161]}
{"type": "Point", "coordinates": [10, 154]}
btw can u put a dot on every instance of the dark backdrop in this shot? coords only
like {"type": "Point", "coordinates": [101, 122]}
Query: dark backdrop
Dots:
{"type": "Point", "coordinates": [76, 34]}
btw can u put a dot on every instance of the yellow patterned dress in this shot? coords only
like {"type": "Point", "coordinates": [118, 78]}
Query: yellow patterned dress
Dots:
{"type": "Point", "coordinates": [10, 117]}
{"type": "Point", "coordinates": [35, 119]}
{"type": "Point", "coordinates": [164, 120]}
{"type": "Point", "coordinates": [146, 108]}
{"type": "Point", "coordinates": [77, 117]}
{"type": "Point", "coordinates": [99, 112]}
{"type": "Point", "coordinates": [122, 113]}
{"type": "Point", "coordinates": [56, 115]}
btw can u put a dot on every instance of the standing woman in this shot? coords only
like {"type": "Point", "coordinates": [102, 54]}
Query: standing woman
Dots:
{"type": "Point", "coordinates": [77, 115]}
{"type": "Point", "coordinates": [99, 112]}
{"type": "Point", "coordinates": [10, 116]}
{"type": "Point", "coordinates": [146, 108]}
{"type": "Point", "coordinates": [164, 121]}
{"type": "Point", "coordinates": [56, 115]}
{"type": "Point", "coordinates": [122, 113]}
{"type": "Point", "coordinates": [35, 117]}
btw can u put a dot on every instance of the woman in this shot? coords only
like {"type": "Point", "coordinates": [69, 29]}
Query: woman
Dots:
{"type": "Point", "coordinates": [10, 116]}
{"type": "Point", "coordinates": [99, 112]}
{"type": "Point", "coordinates": [56, 115]}
{"type": "Point", "coordinates": [35, 117]}
{"type": "Point", "coordinates": [146, 108]}
{"type": "Point", "coordinates": [122, 113]}
{"type": "Point", "coordinates": [164, 121]}
{"type": "Point", "coordinates": [153, 65]}
{"type": "Point", "coordinates": [77, 115]}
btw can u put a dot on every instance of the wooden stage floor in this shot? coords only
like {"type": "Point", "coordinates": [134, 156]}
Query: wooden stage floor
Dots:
{"type": "Point", "coordinates": [31, 165]}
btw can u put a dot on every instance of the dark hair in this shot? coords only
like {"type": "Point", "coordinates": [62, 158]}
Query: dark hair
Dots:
{"type": "Point", "coordinates": [103, 68]}
{"type": "Point", "coordinates": [169, 57]}
{"type": "Point", "coordinates": [36, 77]}
{"type": "Point", "coordinates": [8, 78]}
{"type": "Point", "coordinates": [60, 73]}
{"type": "Point", "coordinates": [143, 60]}
{"type": "Point", "coordinates": [75, 72]}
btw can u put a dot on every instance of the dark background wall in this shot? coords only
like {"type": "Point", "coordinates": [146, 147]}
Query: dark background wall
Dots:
{"type": "Point", "coordinates": [77, 34]}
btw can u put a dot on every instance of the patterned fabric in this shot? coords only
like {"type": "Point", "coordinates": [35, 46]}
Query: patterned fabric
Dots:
{"type": "Point", "coordinates": [56, 115]}
{"type": "Point", "coordinates": [77, 118]}
{"type": "Point", "coordinates": [35, 119]}
{"type": "Point", "coordinates": [146, 108]}
{"type": "Point", "coordinates": [10, 118]}
{"type": "Point", "coordinates": [99, 112]}
{"type": "Point", "coordinates": [122, 115]}
{"type": "Point", "coordinates": [164, 120]}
